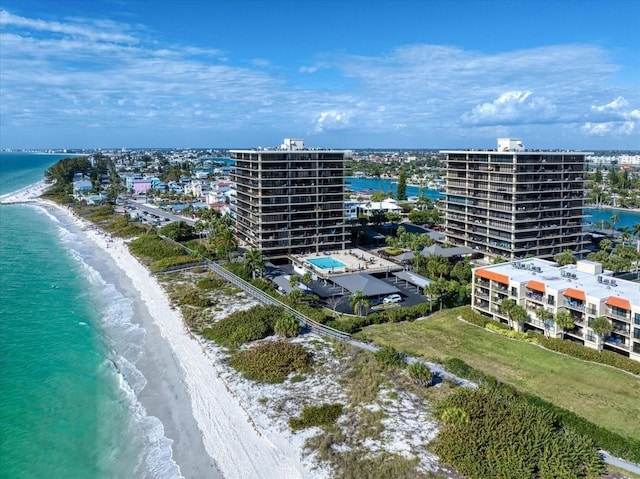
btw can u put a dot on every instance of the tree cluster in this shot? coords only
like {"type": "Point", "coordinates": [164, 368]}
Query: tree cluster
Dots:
{"type": "Point", "coordinates": [494, 433]}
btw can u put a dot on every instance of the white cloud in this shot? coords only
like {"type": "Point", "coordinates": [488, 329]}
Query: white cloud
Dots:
{"type": "Point", "coordinates": [332, 120]}
{"type": "Point", "coordinates": [511, 108]}
{"type": "Point", "coordinates": [69, 74]}
{"type": "Point", "coordinates": [624, 128]}
{"type": "Point", "coordinates": [106, 31]}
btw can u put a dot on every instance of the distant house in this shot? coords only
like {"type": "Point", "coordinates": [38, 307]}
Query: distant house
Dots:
{"type": "Point", "coordinates": [80, 187]}
{"type": "Point", "coordinates": [389, 205]}
{"type": "Point", "coordinates": [140, 187]}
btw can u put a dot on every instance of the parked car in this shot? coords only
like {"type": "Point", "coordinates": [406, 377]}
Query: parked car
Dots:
{"type": "Point", "coordinates": [392, 298]}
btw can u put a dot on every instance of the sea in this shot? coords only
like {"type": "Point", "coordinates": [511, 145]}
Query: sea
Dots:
{"type": "Point", "coordinates": [69, 385]}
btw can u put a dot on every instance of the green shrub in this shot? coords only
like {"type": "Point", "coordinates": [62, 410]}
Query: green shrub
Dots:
{"type": "Point", "coordinates": [271, 361]}
{"type": "Point", "coordinates": [495, 433]}
{"type": "Point", "coordinates": [172, 262]}
{"type": "Point", "coordinates": [153, 247]}
{"type": "Point", "coordinates": [239, 269]}
{"type": "Point", "coordinates": [419, 373]}
{"type": "Point", "coordinates": [287, 325]}
{"type": "Point", "coordinates": [625, 448]}
{"type": "Point", "coordinates": [98, 214]}
{"type": "Point", "coordinates": [458, 367]}
{"type": "Point", "coordinates": [474, 318]}
{"type": "Point", "coordinates": [615, 444]}
{"type": "Point", "coordinates": [389, 357]}
{"type": "Point", "coordinates": [210, 283]}
{"type": "Point", "coordinates": [581, 352]}
{"type": "Point", "coordinates": [508, 332]}
{"type": "Point", "coordinates": [192, 297]}
{"type": "Point", "coordinates": [242, 327]}
{"type": "Point", "coordinates": [316, 416]}
{"type": "Point", "coordinates": [122, 228]}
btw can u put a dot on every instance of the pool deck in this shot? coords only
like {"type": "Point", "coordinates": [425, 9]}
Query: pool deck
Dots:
{"type": "Point", "coordinates": [356, 261]}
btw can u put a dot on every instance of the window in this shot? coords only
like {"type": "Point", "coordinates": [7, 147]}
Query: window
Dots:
{"type": "Point", "coordinates": [636, 319]}
{"type": "Point", "coordinates": [636, 347]}
{"type": "Point", "coordinates": [636, 333]}
{"type": "Point", "coordinates": [551, 300]}
{"type": "Point", "coordinates": [590, 319]}
{"type": "Point", "coordinates": [514, 293]}
{"type": "Point", "coordinates": [591, 336]}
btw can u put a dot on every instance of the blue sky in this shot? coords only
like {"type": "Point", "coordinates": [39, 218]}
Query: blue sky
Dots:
{"type": "Point", "coordinates": [340, 74]}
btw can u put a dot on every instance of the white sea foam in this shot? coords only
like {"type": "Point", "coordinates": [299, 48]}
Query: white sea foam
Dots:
{"type": "Point", "coordinates": [124, 341]}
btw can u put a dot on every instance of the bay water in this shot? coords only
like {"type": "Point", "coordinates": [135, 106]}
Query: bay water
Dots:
{"type": "Point", "coordinates": [69, 404]}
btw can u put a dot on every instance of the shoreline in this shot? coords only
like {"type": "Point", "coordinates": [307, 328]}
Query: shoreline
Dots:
{"type": "Point", "coordinates": [188, 388]}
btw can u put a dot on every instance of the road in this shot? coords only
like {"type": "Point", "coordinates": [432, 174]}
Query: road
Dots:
{"type": "Point", "coordinates": [158, 212]}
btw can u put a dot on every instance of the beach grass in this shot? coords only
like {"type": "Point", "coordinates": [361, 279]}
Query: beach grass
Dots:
{"type": "Point", "coordinates": [603, 395]}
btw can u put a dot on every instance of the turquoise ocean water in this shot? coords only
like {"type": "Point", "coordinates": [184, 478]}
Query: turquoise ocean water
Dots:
{"type": "Point", "coordinates": [69, 386]}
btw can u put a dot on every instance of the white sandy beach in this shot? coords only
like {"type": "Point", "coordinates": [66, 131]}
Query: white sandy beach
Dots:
{"type": "Point", "coordinates": [240, 444]}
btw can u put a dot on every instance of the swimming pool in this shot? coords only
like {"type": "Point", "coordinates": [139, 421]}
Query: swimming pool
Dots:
{"type": "Point", "coordinates": [326, 263]}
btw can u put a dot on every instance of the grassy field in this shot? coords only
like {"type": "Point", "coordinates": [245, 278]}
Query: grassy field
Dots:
{"type": "Point", "coordinates": [603, 395]}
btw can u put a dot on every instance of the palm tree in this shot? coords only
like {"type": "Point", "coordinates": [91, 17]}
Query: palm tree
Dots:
{"type": "Point", "coordinates": [507, 305]}
{"type": "Point", "coordinates": [605, 245]}
{"type": "Point", "coordinates": [358, 302]}
{"type": "Point", "coordinates": [601, 326]}
{"type": "Point", "coordinates": [564, 258]}
{"type": "Point", "coordinates": [295, 296]}
{"type": "Point", "coordinates": [226, 242]}
{"type": "Point", "coordinates": [564, 321]}
{"type": "Point", "coordinates": [294, 281]}
{"type": "Point", "coordinates": [254, 262]}
{"type": "Point", "coordinates": [519, 315]}
{"type": "Point", "coordinates": [307, 278]}
{"type": "Point", "coordinates": [636, 229]}
{"type": "Point", "coordinates": [287, 326]}
{"type": "Point", "coordinates": [614, 219]}
{"type": "Point", "coordinates": [546, 318]}
{"type": "Point", "coordinates": [430, 291]}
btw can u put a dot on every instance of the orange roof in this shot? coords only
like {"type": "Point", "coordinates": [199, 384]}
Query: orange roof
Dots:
{"type": "Point", "coordinates": [492, 275]}
{"type": "Point", "coordinates": [618, 303]}
{"type": "Point", "coordinates": [536, 285]}
{"type": "Point", "coordinates": [575, 294]}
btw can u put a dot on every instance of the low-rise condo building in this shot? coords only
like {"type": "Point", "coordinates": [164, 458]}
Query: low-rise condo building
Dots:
{"type": "Point", "coordinates": [582, 289]}
{"type": "Point", "coordinates": [512, 202]}
{"type": "Point", "coordinates": [290, 200]}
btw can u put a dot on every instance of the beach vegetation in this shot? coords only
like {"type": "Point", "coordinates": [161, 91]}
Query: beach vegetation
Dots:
{"type": "Point", "coordinates": [210, 282]}
{"type": "Point", "coordinates": [578, 392]}
{"type": "Point", "coordinates": [271, 361]}
{"type": "Point", "coordinates": [287, 325]}
{"type": "Point", "coordinates": [316, 416]}
{"type": "Point", "coordinates": [122, 228]}
{"type": "Point", "coordinates": [242, 327]}
{"type": "Point", "coordinates": [493, 432]}
{"type": "Point", "coordinates": [157, 253]}
{"type": "Point", "coordinates": [389, 357]}
{"type": "Point", "coordinates": [419, 373]}
{"type": "Point", "coordinates": [190, 296]}
{"type": "Point", "coordinates": [238, 268]}
{"type": "Point", "coordinates": [97, 214]}
{"type": "Point", "coordinates": [178, 231]}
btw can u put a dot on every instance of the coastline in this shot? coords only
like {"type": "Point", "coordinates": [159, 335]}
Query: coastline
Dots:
{"type": "Point", "coordinates": [214, 433]}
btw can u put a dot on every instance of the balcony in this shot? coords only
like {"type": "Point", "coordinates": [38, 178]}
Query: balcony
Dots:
{"type": "Point", "coordinates": [572, 304]}
{"type": "Point", "coordinates": [535, 296]}
{"type": "Point", "coordinates": [619, 314]}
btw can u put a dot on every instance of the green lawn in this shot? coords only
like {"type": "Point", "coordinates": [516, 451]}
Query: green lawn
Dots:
{"type": "Point", "coordinates": [603, 395]}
